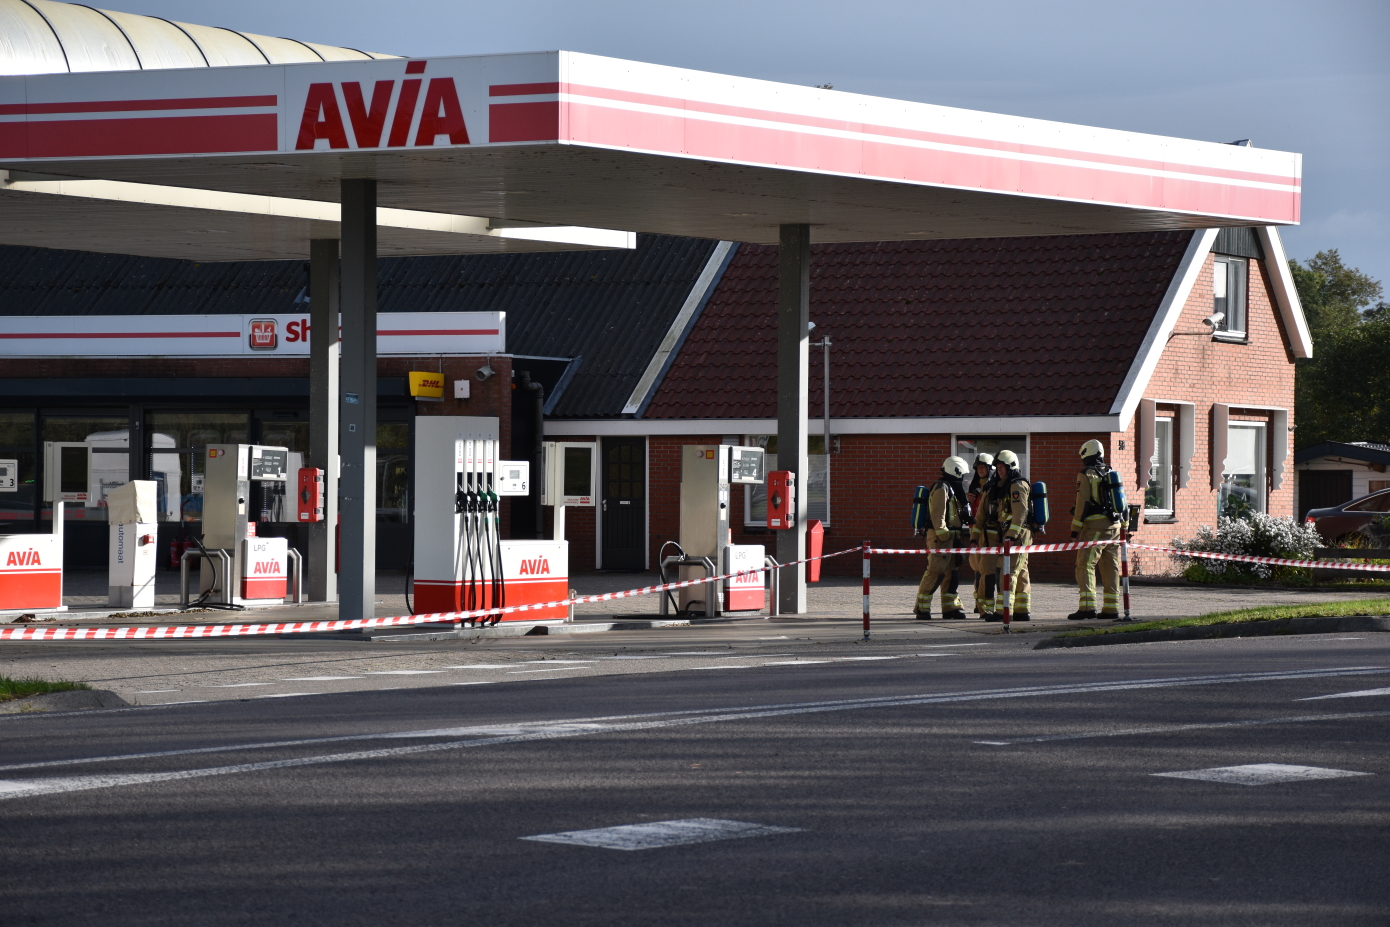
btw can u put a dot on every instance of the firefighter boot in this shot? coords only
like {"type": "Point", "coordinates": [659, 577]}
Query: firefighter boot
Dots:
{"type": "Point", "coordinates": [1084, 614]}
{"type": "Point", "coordinates": [957, 615]}
{"type": "Point", "coordinates": [921, 614]}
{"type": "Point", "coordinates": [1023, 616]}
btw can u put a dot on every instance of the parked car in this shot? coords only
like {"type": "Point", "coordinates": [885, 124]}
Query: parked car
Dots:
{"type": "Point", "coordinates": [1367, 517]}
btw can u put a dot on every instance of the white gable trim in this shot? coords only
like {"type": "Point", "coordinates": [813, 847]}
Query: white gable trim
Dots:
{"type": "Point", "coordinates": [1285, 293]}
{"type": "Point", "coordinates": [1146, 360]}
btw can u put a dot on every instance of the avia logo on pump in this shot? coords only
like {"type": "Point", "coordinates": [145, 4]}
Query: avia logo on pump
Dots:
{"type": "Point", "coordinates": [23, 558]}
{"type": "Point", "coordinates": [267, 568]}
{"type": "Point", "coordinates": [263, 335]}
{"type": "Point", "coordinates": [535, 567]}
{"type": "Point", "coordinates": [383, 114]}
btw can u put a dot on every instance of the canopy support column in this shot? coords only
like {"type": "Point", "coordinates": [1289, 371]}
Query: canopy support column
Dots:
{"type": "Point", "coordinates": [357, 573]}
{"type": "Point", "coordinates": [793, 375]}
{"type": "Point", "coordinates": [322, 584]}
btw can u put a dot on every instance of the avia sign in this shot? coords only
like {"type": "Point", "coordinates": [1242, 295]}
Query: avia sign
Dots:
{"type": "Point", "coordinates": [439, 114]}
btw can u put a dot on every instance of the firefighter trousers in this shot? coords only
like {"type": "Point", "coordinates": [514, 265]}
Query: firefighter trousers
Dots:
{"type": "Point", "coordinates": [1105, 559]}
{"type": "Point", "coordinates": [987, 575]}
{"type": "Point", "coordinates": [943, 572]}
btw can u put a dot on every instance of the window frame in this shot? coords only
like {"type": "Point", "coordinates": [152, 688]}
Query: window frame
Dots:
{"type": "Point", "coordinates": [1260, 483]}
{"type": "Point", "coordinates": [1237, 274]}
{"type": "Point", "coordinates": [1162, 423]}
{"type": "Point", "coordinates": [749, 490]}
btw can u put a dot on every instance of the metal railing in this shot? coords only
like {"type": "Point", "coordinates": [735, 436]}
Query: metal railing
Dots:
{"type": "Point", "coordinates": [224, 559]}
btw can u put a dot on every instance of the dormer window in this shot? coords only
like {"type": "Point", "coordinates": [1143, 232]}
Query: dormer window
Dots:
{"type": "Point", "coordinates": [1228, 284]}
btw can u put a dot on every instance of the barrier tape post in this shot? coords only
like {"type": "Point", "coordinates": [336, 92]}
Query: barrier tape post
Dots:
{"type": "Point", "coordinates": [866, 589]}
{"type": "Point", "coordinates": [1005, 588]}
{"type": "Point", "coordinates": [1124, 568]}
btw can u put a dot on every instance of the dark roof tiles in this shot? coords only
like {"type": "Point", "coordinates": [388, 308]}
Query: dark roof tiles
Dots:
{"type": "Point", "coordinates": [935, 328]}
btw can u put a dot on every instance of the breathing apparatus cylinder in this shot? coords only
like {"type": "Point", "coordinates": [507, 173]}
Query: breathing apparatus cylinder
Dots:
{"type": "Point", "coordinates": [1115, 486]}
{"type": "Point", "coordinates": [921, 514]}
{"type": "Point", "coordinates": [1038, 511]}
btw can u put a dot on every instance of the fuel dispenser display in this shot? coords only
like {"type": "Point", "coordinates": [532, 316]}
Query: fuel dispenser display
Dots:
{"type": "Point", "coordinates": [707, 472]}
{"type": "Point", "coordinates": [461, 561]}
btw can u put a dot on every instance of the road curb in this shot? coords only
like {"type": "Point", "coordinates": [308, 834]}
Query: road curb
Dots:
{"type": "Point", "coordinates": [73, 700]}
{"type": "Point", "coordinates": [1241, 629]}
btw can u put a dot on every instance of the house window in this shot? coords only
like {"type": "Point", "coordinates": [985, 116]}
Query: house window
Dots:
{"type": "Point", "coordinates": [1158, 495]}
{"type": "Point", "coordinates": [817, 488]}
{"type": "Point", "coordinates": [1228, 283]}
{"type": "Point", "coordinates": [972, 446]}
{"type": "Point", "coordinates": [1243, 477]}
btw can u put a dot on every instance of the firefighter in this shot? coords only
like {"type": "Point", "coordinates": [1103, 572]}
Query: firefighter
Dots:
{"type": "Point", "coordinates": [1094, 519]}
{"type": "Point", "coordinates": [949, 510]}
{"type": "Point", "coordinates": [980, 484]}
{"type": "Point", "coordinates": [1010, 498]}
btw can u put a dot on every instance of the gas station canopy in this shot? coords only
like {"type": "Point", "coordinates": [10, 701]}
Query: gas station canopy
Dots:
{"type": "Point", "coordinates": [568, 139]}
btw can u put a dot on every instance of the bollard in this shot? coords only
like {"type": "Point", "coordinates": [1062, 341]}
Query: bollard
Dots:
{"type": "Point", "coordinates": [866, 590]}
{"type": "Point", "coordinates": [1007, 610]}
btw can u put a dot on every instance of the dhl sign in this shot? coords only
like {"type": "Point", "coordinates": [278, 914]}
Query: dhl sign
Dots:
{"type": "Point", "coordinates": [426, 384]}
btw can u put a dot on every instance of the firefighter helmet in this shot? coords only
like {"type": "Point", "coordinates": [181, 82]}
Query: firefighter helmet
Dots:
{"type": "Point", "coordinates": [986, 459]}
{"type": "Point", "coordinates": [1092, 448]}
{"type": "Point", "coordinates": [955, 467]}
{"type": "Point", "coordinates": [1008, 459]}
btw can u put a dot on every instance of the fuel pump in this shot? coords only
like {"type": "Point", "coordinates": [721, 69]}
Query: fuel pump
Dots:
{"type": "Point", "coordinates": [462, 562]}
{"type": "Point", "coordinates": [244, 484]}
{"type": "Point", "coordinates": [707, 474]}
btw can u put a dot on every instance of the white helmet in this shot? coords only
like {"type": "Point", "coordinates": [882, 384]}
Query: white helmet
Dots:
{"type": "Point", "coordinates": [986, 459]}
{"type": "Point", "coordinates": [1092, 448]}
{"type": "Point", "coordinates": [955, 466]}
{"type": "Point", "coordinates": [1008, 459]}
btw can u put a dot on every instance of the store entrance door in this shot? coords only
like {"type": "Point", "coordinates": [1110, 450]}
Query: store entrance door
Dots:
{"type": "Point", "coordinates": [624, 504]}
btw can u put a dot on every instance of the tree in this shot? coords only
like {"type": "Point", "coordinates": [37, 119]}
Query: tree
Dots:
{"type": "Point", "coordinates": [1343, 391]}
{"type": "Point", "coordinates": [1333, 295]}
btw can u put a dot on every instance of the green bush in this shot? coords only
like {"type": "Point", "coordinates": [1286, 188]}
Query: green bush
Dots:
{"type": "Point", "coordinates": [1256, 535]}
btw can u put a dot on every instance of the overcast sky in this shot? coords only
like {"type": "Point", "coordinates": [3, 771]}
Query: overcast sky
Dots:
{"type": "Point", "coordinates": [1295, 75]}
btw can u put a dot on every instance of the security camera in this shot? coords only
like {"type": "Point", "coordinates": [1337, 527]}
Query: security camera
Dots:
{"type": "Point", "coordinates": [485, 372]}
{"type": "Point", "coordinates": [1214, 320]}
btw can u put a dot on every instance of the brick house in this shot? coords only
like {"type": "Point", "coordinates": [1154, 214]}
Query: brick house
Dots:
{"type": "Point", "coordinates": [942, 347]}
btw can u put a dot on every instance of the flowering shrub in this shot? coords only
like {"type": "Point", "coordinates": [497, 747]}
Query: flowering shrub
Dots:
{"type": "Point", "coordinates": [1256, 535]}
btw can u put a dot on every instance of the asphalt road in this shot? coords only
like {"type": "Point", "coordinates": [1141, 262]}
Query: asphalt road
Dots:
{"type": "Point", "coordinates": [985, 784]}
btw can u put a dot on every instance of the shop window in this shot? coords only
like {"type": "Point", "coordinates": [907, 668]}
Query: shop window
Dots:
{"type": "Point", "coordinates": [1158, 495]}
{"type": "Point", "coordinates": [178, 453]}
{"type": "Point", "coordinates": [1228, 283]}
{"type": "Point", "coordinates": [17, 444]}
{"type": "Point", "coordinates": [96, 462]}
{"type": "Point", "coordinates": [1243, 476]}
{"type": "Point", "coordinates": [971, 446]}
{"type": "Point", "coordinates": [818, 483]}
{"type": "Point", "coordinates": [393, 472]}
{"type": "Point", "coordinates": [1377, 485]}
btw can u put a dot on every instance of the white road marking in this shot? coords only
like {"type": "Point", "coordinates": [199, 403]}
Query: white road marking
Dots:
{"type": "Point", "coordinates": [401, 672]}
{"type": "Point", "coordinates": [850, 659]}
{"type": "Point", "coordinates": [316, 678]}
{"type": "Point", "coordinates": [634, 657]}
{"type": "Point", "coordinates": [1361, 694]}
{"type": "Point", "coordinates": [780, 637]}
{"type": "Point", "coordinates": [239, 685]}
{"type": "Point", "coordinates": [1177, 728]}
{"type": "Point", "coordinates": [699, 653]}
{"type": "Point", "coordinates": [936, 654]}
{"type": "Point", "coordinates": [795, 662]}
{"type": "Point", "coordinates": [1261, 774]}
{"type": "Point", "coordinates": [557, 669]}
{"type": "Point", "coordinates": [980, 644]}
{"type": "Point", "coordinates": [559, 661]}
{"type": "Point", "coordinates": [662, 834]}
{"type": "Point", "coordinates": [549, 730]}
{"type": "Point", "coordinates": [483, 666]}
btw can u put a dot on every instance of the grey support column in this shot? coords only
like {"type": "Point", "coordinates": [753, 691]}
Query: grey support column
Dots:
{"type": "Point", "coordinates": [357, 573]}
{"type": "Point", "coordinates": [793, 339]}
{"type": "Point", "coordinates": [322, 584]}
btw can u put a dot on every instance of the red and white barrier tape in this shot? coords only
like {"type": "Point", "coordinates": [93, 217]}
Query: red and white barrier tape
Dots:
{"type": "Point", "coordinates": [1272, 561]}
{"type": "Point", "coordinates": [1029, 549]}
{"type": "Point", "coordinates": [350, 624]}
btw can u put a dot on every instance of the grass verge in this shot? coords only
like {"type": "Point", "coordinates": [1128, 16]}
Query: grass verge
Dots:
{"type": "Point", "coordinates": [1262, 613]}
{"type": "Point", "coordinates": [11, 689]}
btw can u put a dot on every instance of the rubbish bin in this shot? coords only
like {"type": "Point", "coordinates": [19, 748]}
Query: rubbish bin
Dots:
{"type": "Point", "coordinates": [815, 543]}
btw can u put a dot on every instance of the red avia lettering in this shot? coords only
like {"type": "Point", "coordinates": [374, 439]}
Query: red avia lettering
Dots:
{"type": "Point", "coordinates": [23, 558]}
{"type": "Point", "coordinates": [535, 567]}
{"type": "Point", "coordinates": [440, 114]}
{"type": "Point", "coordinates": [266, 568]}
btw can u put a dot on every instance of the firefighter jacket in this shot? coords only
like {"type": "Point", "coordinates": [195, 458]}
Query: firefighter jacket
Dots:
{"type": "Point", "coordinates": [1013, 508]}
{"type": "Point", "coordinates": [1091, 510]}
{"type": "Point", "coordinates": [944, 509]}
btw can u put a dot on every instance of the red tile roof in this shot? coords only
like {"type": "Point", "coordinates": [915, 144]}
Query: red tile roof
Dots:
{"type": "Point", "coordinates": [1000, 326]}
